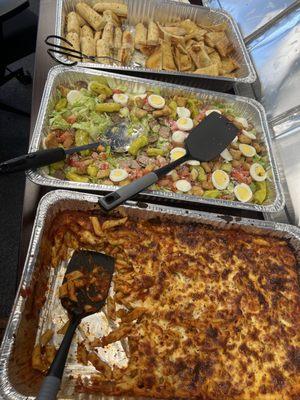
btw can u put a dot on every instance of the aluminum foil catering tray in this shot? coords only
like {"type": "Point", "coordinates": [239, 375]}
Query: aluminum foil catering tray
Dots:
{"type": "Point", "coordinates": [168, 11]}
{"type": "Point", "coordinates": [246, 107]}
{"type": "Point", "coordinates": [18, 381]}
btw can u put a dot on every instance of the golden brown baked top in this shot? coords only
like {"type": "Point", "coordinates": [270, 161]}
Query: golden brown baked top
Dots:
{"type": "Point", "coordinates": [210, 314]}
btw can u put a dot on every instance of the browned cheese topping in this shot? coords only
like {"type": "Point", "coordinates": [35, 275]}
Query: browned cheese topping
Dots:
{"type": "Point", "coordinates": [210, 314]}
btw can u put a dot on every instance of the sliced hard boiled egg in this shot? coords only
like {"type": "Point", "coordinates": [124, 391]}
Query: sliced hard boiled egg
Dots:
{"type": "Point", "coordinates": [258, 172]}
{"type": "Point", "coordinates": [120, 98]}
{"type": "Point", "coordinates": [226, 155]}
{"type": "Point", "coordinates": [249, 134]}
{"type": "Point", "coordinates": [177, 152]}
{"type": "Point", "coordinates": [220, 179]}
{"type": "Point", "coordinates": [243, 192]}
{"type": "Point", "coordinates": [183, 112]}
{"type": "Point", "coordinates": [193, 162]}
{"type": "Point", "coordinates": [118, 174]}
{"type": "Point", "coordinates": [211, 111]}
{"type": "Point", "coordinates": [185, 124]}
{"type": "Point", "coordinates": [242, 121]}
{"type": "Point", "coordinates": [156, 101]}
{"type": "Point", "coordinates": [183, 185]}
{"type": "Point", "coordinates": [73, 96]}
{"type": "Point", "coordinates": [179, 136]}
{"type": "Point", "coordinates": [247, 150]}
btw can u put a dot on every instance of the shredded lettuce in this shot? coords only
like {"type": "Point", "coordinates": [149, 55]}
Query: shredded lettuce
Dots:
{"type": "Point", "coordinates": [116, 84]}
{"type": "Point", "coordinates": [124, 112]}
{"type": "Point", "coordinates": [58, 122]}
{"type": "Point", "coordinates": [263, 161]}
{"type": "Point", "coordinates": [97, 124]}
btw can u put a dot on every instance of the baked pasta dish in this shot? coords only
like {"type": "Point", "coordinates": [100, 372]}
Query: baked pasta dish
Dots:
{"type": "Point", "coordinates": [204, 313]}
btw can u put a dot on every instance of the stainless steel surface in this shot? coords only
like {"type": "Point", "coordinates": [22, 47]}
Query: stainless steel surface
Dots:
{"type": "Point", "coordinates": [276, 55]}
{"type": "Point", "coordinates": [250, 15]}
{"type": "Point", "coordinates": [245, 107]}
{"type": "Point", "coordinates": [51, 314]}
{"type": "Point", "coordinates": [163, 11]}
{"type": "Point", "coordinates": [287, 141]}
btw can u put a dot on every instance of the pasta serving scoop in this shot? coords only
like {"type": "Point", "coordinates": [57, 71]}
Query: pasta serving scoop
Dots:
{"type": "Point", "coordinates": [83, 292]}
{"type": "Point", "coordinates": [204, 143]}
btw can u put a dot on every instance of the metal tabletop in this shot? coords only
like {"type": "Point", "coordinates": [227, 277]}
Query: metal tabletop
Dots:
{"type": "Point", "coordinates": [43, 63]}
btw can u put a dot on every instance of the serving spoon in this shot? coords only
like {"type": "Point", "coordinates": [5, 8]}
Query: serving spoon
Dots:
{"type": "Point", "coordinates": [116, 136]}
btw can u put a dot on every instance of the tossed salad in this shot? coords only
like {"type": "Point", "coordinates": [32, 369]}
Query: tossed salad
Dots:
{"type": "Point", "coordinates": [85, 110]}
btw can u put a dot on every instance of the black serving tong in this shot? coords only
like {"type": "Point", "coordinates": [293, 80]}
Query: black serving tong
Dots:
{"type": "Point", "coordinates": [69, 52]}
{"type": "Point", "coordinates": [116, 136]}
{"type": "Point", "coordinates": [86, 262]}
{"type": "Point", "coordinates": [204, 143]}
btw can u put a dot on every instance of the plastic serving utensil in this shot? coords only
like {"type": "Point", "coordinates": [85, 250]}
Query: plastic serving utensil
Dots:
{"type": "Point", "coordinates": [205, 142]}
{"type": "Point", "coordinates": [116, 136]}
{"type": "Point", "coordinates": [86, 262]}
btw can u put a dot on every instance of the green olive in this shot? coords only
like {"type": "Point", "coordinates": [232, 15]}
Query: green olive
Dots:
{"type": "Point", "coordinates": [211, 194]}
{"type": "Point", "coordinates": [153, 152]}
{"type": "Point", "coordinates": [201, 174]}
{"type": "Point", "coordinates": [261, 193]}
{"type": "Point", "coordinates": [72, 176]}
{"type": "Point", "coordinates": [137, 144]}
{"type": "Point", "coordinates": [92, 171]}
{"type": "Point", "coordinates": [61, 104]}
{"type": "Point", "coordinates": [100, 88]}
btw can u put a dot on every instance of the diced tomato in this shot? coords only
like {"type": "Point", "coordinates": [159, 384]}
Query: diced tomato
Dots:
{"type": "Point", "coordinates": [200, 116]}
{"type": "Point", "coordinates": [117, 91]}
{"type": "Point", "coordinates": [72, 119]}
{"type": "Point", "coordinates": [103, 156]}
{"type": "Point", "coordinates": [73, 159]}
{"type": "Point", "coordinates": [184, 172]}
{"type": "Point", "coordinates": [104, 165]}
{"type": "Point", "coordinates": [173, 126]}
{"type": "Point", "coordinates": [164, 182]}
{"type": "Point", "coordinates": [241, 175]}
{"type": "Point", "coordinates": [66, 138]}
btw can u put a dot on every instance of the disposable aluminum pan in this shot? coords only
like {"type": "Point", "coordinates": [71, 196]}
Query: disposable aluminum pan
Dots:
{"type": "Point", "coordinates": [168, 11]}
{"type": "Point", "coordinates": [18, 381]}
{"type": "Point", "coordinates": [246, 107]}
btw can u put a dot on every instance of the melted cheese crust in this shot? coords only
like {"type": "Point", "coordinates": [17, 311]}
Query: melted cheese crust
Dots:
{"type": "Point", "coordinates": [222, 309]}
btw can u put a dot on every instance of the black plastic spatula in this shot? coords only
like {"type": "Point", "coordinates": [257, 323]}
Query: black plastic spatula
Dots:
{"type": "Point", "coordinates": [204, 143]}
{"type": "Point", "coordinates": [83, 292]}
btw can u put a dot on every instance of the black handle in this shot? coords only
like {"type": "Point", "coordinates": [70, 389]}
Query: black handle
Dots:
{"type": "Point", "coordinates": [172, 165]}
{"type": "Point", "coordinates": [51, 383]}
{"type": "Point", "coordinates": [33, 160]}
{"type": "Point", "coordinates": [114, 199]}
{"type": "Point", "coordinates": [58, 364]}
{"type": "Point", "coordinates": [49, 389]}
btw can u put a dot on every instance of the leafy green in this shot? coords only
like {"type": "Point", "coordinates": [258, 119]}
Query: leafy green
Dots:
{"type": "Point", "coordinates": [261, 160]}
{"type": "Point", "coordinates": [114, 84]}
{"type": "Point", "coordinates": [58, 122]}
{"type": "Point", "coordinates": [96, 126]}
